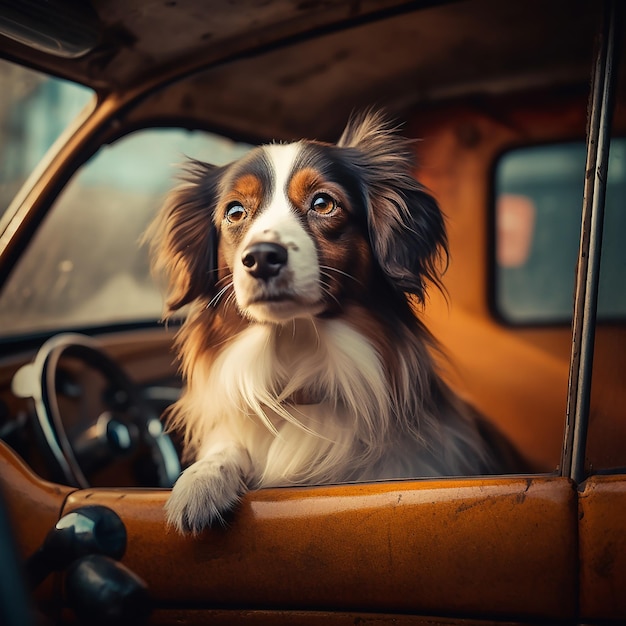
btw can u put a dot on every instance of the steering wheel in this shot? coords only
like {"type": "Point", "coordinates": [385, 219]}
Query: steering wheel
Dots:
{"type": "Point", "coordinates": [127, 427]}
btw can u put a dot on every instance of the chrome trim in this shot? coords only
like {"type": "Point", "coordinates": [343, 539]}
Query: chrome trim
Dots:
{"type": "Point", "coordinates": [588, 270]}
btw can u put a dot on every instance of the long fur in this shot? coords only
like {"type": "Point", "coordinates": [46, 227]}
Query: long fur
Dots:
{"type": "Point", "coordinates": [321, 373]}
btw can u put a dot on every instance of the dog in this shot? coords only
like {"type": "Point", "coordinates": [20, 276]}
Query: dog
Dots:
{"type": "Point", "coordinates": [302, 266]}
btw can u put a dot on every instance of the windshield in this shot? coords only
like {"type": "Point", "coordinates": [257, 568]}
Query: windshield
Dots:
{"type": "Point", "coordinates": [85, 267]}
{"type": "Point", "coordinates": [34, 110]}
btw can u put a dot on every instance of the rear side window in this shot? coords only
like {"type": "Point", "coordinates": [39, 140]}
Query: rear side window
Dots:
{"type": "Point", "coordinates": [538, 207]}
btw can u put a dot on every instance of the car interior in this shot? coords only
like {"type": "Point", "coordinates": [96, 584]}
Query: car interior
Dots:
{"type": "Point", "coordinates": [497, 98]}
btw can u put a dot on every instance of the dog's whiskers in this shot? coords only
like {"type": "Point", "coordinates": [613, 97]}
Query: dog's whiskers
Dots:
{"type": "Point", "coordinates": [215, 270]}
{"type": "Point", "coordinates": [228, 276]}
{"type": "Point", "coordinates": [230, 300]}
{"type": "Point", "coordinates": [334, 269]}
{"type": "Point", "coordinates": [215, 299]}
{"type": "Point", "coordinates": [327, 291]}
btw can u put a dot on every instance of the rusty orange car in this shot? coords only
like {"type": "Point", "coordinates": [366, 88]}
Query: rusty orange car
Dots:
{"type": "Point", "coordinates": [519, 112]}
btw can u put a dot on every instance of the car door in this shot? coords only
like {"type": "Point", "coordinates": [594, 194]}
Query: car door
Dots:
{"type": "Point", "coordinates": [499, 548]}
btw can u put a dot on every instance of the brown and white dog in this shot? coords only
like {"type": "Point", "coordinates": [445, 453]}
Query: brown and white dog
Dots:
{"type": "Point", "coordinates": [303, 359]}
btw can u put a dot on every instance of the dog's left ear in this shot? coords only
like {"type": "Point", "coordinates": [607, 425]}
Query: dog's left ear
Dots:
{"type": "Point", "coordinates": [406, 226]}
{"type": "Point", "coordinates": [183, 238]}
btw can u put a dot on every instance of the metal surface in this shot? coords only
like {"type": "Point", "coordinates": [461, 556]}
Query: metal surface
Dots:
{"type": "Point", "coordinates": [602, 532]}
{"type": "Point", "coordinates": [502, 548]}
{"type": "Point", "coordinates": [482, 548]}
{"type": "Point", "coordinates": [291, 69]}
{"type": "Point", "coordinates": [588, 273]}
{"type": "Point", "coordinates": [34, 505]}
{"type": "Point", "coordinates": [61, 28]}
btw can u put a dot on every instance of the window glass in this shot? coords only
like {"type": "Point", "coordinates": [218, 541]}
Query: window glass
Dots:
{"type": "Point", "coordinates": [539, 193]}
{"type": "Point", "coordinates": [34, 111]}
{"type": "Point", "coordinates": [85, 266]}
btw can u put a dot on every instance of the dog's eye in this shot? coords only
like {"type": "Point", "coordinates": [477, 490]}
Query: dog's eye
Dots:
{"type": "Point", "coordinates": [322, 203]}
{"type": "Point", "coordinates": [235, 212]}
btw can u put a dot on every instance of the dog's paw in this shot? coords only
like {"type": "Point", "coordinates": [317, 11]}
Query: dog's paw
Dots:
{"type": "Point", "coordinates": [203, 494]}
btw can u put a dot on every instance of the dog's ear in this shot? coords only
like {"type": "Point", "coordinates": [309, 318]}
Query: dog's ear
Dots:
{"type": "Point", "coordinates": [406, 226]}
{"type": "Point", "coordinates": [183, 238]}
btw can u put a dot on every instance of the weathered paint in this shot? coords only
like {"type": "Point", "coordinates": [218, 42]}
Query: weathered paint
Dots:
{"type": "Point", "coordinates": [487, 548]}
{"type": "Point", "coordinates": [602, 513]}
{"type": "Point", "coordinates": [33, 504]}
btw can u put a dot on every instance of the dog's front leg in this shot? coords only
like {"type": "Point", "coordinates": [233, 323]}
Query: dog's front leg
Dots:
{"type": "Point", "coordinates": [209, 488]}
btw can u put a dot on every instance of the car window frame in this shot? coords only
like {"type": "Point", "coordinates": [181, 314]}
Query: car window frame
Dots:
{"type": "Point", "coordinates": [599, 132]}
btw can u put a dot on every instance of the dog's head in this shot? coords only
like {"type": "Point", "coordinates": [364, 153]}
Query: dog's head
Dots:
{"type": "Point", "coordinates": [295, 230]}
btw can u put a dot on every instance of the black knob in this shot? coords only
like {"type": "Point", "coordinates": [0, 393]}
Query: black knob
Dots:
{"type": "Point", "coordinates": [264, 259]}
{"type": "Point", "coordinates": [87, 530]}
{"type": "Point", "coordinates": [102, 591]}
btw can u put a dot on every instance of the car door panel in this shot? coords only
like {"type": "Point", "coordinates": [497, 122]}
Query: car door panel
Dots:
{"type": "Point", "coordinates": [437, 547]}
{"type": "Point", "coordinates": [602, 544]}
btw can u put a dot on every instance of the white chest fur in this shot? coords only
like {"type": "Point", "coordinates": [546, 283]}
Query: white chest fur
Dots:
{"type": "Point", "coordinates": [245, 395]}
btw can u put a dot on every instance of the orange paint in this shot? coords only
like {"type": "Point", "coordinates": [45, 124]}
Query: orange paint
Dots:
{"type": "Point", "coordinates": [602, 514]}
{"type": "Point", "coordinates": [34, 505]}
{"type": "Point", "coordinates": [471, 547]}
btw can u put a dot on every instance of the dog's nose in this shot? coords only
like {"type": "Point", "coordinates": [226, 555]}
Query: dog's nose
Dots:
{"type": "Point", "coordinates": [264, 259]}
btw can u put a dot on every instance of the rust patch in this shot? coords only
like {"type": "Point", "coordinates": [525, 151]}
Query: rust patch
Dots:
{"type": "Point", "coordinates": [472, 504]}
{"type": "Point", "coordinates": [604, 562]}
